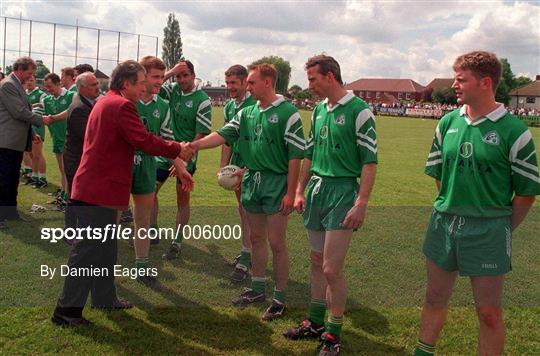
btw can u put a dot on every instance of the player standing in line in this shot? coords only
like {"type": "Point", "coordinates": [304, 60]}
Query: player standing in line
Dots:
{"type": "Point", "coordinates": [191, 119]}
{"type": "Point", "coordinates": [57, 102]}
{"type": "Point", "coordinates": [236, 81]}
{"type": "Point", "coordinates": [68, 79]}
{"type": "Point", "coordinates": [484, 164]}
{"type": "Point", "coordinates": [38, 178]}
{"type": "Point", "coordinates": [271, 143]}
{"type": "Point", "coordinates": [154, 113]}
{"type": "Point", "coordinates": [341, 148]}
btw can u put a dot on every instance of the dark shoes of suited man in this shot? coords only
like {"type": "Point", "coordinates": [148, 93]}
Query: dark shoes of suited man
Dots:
{"type": "Point", "coordinates": [63, 320]}
{"type": "Point", "coordinates": [118, 304]}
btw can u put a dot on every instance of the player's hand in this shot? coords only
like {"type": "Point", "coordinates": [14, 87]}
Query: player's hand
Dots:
{"type": "Point", "coordinates": [36, 139]}
{"type": "Point", "coordinates": [186, 180]}
{"type": "Point", "coordinates": [187, 151]}
{"type": "Point", "coordinates": [47, 119]}
{"type": "Point", "coordinates": [299, 202]}
{"type": "Point", "coordinates": [355, 217]}
{"type": "Point", "coordinates": [180, 66]}
{"type": "Point", "coordinates": [287, 204]}
{"type": "Point", "coordinates": [240, 174]}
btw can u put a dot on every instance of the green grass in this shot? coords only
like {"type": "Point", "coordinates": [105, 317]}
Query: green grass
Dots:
{"type": "Point", "coordinates": [190, 314]}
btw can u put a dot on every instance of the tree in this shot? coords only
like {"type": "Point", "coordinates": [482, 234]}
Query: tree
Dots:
{"type": "Point", "coordinates": [521, 81]}
{"type": "Point", "coordinates": [41, 69]}
{"type": "Point", "coordinates": [9, 69]}
{"type": "Point", "coordinates": [284, 71]}
{"type": "Point", "coordinates": [304, 94]}
{"type": "Point", "coordinates": [172, 42]}
{"type": "Point", "coordinates": [506, 84]}
{"type": "Point", "coordinates": [444, 96]}
{"type": "Point", "coordinates": [295, 89]}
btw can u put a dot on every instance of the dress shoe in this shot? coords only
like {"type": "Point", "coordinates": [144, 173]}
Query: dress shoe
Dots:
{"type": "Point", "coordinates": [63, 320]}
{"type": "Point", "coordinates": [118, 304]}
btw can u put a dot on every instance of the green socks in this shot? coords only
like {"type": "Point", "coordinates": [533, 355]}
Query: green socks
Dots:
{"type": "Point", "coordinates": [258, 284]}
{"type": "Point", "coordinates": [245, 257]}
{"type": "Point", "coordinates": [280, 295]}
{"type": "Point", "coordinates": [334, 324]}
{"type": "Point", "coordinates": [142, 262]}
{"type": "Point", "coordinates": [423, 349]}
{"type": "Point", "coordinates": [317, 311]}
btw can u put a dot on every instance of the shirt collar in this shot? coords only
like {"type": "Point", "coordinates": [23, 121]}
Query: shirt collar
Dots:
{"type": "Point", "coordinates": [344, 100]}
{"type": "Point", "coordinates": [33, 90]}
{"type": "Point", "coordinates": [275, 103]}
{"type": "Point", "coordinates": [494, 116]}
{"type": "Point", "coordinates": [63, 92]}
{"type": "Point", "coordinates": [153, 100]}
{"type": "Point", "coordinates": [191, 92]}
{"type": "Point", "coordinates": [72, 86]}
{"type": "Point", "coordinates": [246, 96]}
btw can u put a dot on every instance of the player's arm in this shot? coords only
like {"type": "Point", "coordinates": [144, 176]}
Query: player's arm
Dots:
{"type": "Point", "coordinates": [226, 153]}
{"type": "Point", "coordinates": [287, 203]}
{"type": "Point", "coordinates": [203, 120]}
{"type": "Point", "coordinates": [305, 176]}
{"type": "Point", "coordinates": [209, 141]}
{"type": "Point", "coordinates": [60, 116]}
{"type": "Point", "coordinates": [520, 209]}
{"type": "Point", "coordinates": [438, 184]}
{"type": "Point", "coordinates": [175, 70]}
{"type": "Point", "coordinates": [355, 217]}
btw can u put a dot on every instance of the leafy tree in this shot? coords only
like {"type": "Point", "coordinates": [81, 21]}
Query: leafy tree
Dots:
{"type": "Point", "coordinates": [172, 42]}
{"type": "Point", "coordinates": [444, 96]}
{"type": "Point", "coordinates": [284, 71]}
{"type": "Point", "coordinates": [304, 94]}
{"type": "Point", "coordinates": [506, 84]}
{"type": "Point", "coordinates": [9, 69]}
{"type": "Point", "coordinates": [295, 89]}
{"type": "Point", "coordinates": [41, 69]}
{"type": "Point", "coordinates": [521, 81]}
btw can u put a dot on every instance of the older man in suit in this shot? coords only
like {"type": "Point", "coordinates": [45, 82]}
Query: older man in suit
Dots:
{"type": "Point", "coordinates": [16, 118]}
{"type": "Point", "coordinates": [101, 187]}
{"type": "Point", "coordinates": [78, 112]}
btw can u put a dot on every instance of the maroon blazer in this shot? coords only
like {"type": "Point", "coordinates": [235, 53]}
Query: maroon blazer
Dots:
{"type": "Point", "coordinates": [113, 132]}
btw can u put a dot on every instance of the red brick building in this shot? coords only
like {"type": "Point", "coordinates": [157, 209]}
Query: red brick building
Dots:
{"type": "Point", "coordinates": [387, 91]}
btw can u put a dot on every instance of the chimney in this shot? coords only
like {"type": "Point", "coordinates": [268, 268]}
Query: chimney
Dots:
{"type": "Point", "coordinates": [538, 77]}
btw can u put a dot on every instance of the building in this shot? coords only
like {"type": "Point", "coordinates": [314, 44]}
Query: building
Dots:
{"type": "Point", "coordinates": [527, 96]}
{"type": "Point", "coordinates": [387, 91]}
{"type": "Point", "coordinates": [438, 84]}
{"type": "Point", "coordinates": [219, 94]}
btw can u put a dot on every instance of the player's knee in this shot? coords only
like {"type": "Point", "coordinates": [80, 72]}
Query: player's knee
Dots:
{"type": "Point", "coordinates": [277, 246]}
{"type": "Point", "coordinates": [436, 298]}
{"type": "Point", "coordinates": [491, 317]}
{"type": "Point", "coordinates": [331, 273]}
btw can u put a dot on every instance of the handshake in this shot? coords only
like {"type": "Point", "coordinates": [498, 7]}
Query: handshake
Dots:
{"type": "Point", "coordinates": [188, 150]}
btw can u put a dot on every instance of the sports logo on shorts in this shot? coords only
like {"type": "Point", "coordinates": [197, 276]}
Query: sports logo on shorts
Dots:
{"type": "Point", "coordinates": [189, 104]}
{"type": "Point", "coordinates": [258, 129]}
{"type": "Point", "coordinates": [340, 120]}
{"type": "Point", "coordinates": [156, 113]}
{"type": "Point", "coordinates": [466, 149]}
{"type": "Point", "coordinates": [273, 119]}
{"type": "Point", "coordinates": [324, 132]}
{"type": "Point", "coordinates": [491, 138]}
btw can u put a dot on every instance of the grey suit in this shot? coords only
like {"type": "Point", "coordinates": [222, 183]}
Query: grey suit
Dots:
{"type": "Point", "coordinates": [16, 118]}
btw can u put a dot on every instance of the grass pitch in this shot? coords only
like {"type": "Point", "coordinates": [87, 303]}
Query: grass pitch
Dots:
{"type": "Point", "coordinates": [191, 313]}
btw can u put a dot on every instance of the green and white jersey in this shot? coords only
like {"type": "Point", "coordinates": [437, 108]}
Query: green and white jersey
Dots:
{"type": "Point", "coordinates": [267, 138]}
{"type": "Point", "coordinates": [35, 96]}
{"type": "Point", "coordinates": [232, 108]}
{"type": "Point", "coordinates": [481, 164]}
{"type": "Point", "coordinates": [52, 105]}
{"type": "Point", "coordinates": [155, 117]}
{"type": "Point", "coordinates": [342, 138]}
{"type": "Point", "coordinates": [73, 88]}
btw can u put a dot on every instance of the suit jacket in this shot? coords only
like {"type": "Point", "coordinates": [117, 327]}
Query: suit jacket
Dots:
{"type": "Point", "coordinates": [113, 132]}
{"type": "Point", "coordinates": [77, 118]}
{"type": "Point", "coordinates": [16, 116]}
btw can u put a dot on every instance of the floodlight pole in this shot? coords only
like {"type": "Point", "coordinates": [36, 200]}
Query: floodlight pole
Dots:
{"type": "Point", "coordinates": [97, 57]}
{"type": "Point", "coordinates": [54, 47]}
{"type": "Point", "coordinates": [118, 50]}
{"type": "Point", "coordinates": [30, 41]}
{"type": "Point", "coordinates": [138, 44]}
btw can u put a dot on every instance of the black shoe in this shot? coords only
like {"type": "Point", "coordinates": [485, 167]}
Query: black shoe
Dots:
{"type": "Point", "coordinates": [239, 274]}
{"type": "Point", "coordinates": [116, 305]}
{"type": "Point", "coordinates": [42, 183]}
{"type": "Point", "coordinates": [330, 345]}
{"type": "Point", "coordinates": [173, 253]}
{"type": "Point", "coordinates": [306, 330]}
{"type": "Point", "coordinates": [29, 181]}
{"type": "Point", "coordinates": [148, 281]}
{"type": "Point", "coordinates": [274, 311]}
{"type": "Point", "coordinates": [63, 320]}
{"type": "Point", "coordinates": [232, 263]}
{"type": "Point", "coordinates": [248, 296]}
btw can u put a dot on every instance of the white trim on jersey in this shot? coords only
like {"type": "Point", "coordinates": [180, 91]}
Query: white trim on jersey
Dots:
{"type": "Point", "coordinates": [366, 145]}
{"type": "Point", "coordinates": [433, 163]}
{"type": "Point", "coordinates": [434, 154]}
{"type": "Point", "coordinates": [526, 174]}
{"type": "Point", "coordinates": [521, 142]}
{"type": "Point", "coordinates": [362, 118]}
{"type": "Point", "coordinates": [294, 143]}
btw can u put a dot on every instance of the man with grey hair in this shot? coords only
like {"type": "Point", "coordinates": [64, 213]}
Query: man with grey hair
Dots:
{"type": "Point", "coordinates": [16, 134]}
{"type": "Point", "coordinates": [78, 112]}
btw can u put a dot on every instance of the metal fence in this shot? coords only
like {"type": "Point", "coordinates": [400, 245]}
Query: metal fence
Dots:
{"type": "Point", "coordinates": [60, 45]}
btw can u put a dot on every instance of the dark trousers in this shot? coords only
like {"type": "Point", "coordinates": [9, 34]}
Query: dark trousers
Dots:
{"type": "Point", "coordinates": [70, 218]}
{"type": "Point", "coordinates": [88, 254]}
{"type": "Point", "coordinates": [10, 166]}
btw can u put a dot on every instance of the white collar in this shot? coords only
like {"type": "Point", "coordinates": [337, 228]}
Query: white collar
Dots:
{"type": "Point", "coordinates": [344, 100]}
{"type": "Point", "coordinates": [494, 116]}
{"type": "Point", "coordinates": [154, 99]}
{"type": "Point", "coordinates": [246, 96]}
{"type": "Point", "coordinates": [275, 103]}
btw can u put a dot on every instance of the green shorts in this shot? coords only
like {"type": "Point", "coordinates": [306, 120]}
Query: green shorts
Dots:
{"type": "Point", "coordinates": [262, 192]}
{"type": "Point", "coordinates": [237, 160]}
{"type": "Point", "coordinates": [58, 134]}
{"type": "Point", "coordinates": [144, 174]}
{"type": "Point", "coordinates": [472, 246]}
{"type": "Point", "coordinates": [328, 200]}
{"type": "Point", "coordinates": [40, 130]}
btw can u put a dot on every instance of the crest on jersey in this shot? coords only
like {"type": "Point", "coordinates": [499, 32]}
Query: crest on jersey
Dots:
{"type": "Point", "coordinates": [340, 120]}
{"type": "Point", "coordinates": [258, 129]}
{"type": "Point", "coordinates": [323, 132]}
{"type": "Point", "coordinates": [491, 138]}
{"type": "Point", "coordinates": [273, 119]}
{"type": "Point", "coordinates": [189, 103]}
{"type": "Point", "coordinates": [156, 113]}
{"type": "Point", "coordinates": [466, 149]}
{"type": "Point", "coordinates": [63, 102]}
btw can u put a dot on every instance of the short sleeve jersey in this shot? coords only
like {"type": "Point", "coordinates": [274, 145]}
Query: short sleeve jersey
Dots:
{"type": "Point", "coordinates": [35, 96]}
{"type": "Point", "coordinates": [155, 117]}
{"type": "Point", "coordinates": [52, 105]}
{"type": "Point", "coordinates": [232, 108]}
{"type": "Point", "coordinates": [73, 89]}
{"type": "Point", "coordinates": [267, 138]}
{"type": "Point", "coordinates": [342, 138]}
{"type": "Point", "coordinates": [481, 164]}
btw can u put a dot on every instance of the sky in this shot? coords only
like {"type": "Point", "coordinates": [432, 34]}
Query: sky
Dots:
{"type": "Point", "coordinates": [417, 40]}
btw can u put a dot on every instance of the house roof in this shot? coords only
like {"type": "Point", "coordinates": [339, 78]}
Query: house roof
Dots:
{"type": "Point", "coordinates": [395, 85]}
{"type": "Point", "coordinates": [100, 75]}
{"type": "Point", "coordinates": [439, 83]}
{"type": "Point", "coordinates": [531, 89]}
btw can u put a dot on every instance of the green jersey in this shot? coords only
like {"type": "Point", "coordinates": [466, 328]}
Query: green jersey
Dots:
{"type": "Point", "coordinates": [35, 96]}
{"type": "Point", "coordinates": [267, 138]}
{"type": "Point", "coordinates": [155, 117]}
{"type": "Point", "coordinates": [481, 164]}
{"type": "Point", "coordinates": [73, 89]}
{"type": "Point", "coordinates": [52, 105]}
{"type": "Point", "coordinates": [232, 108]}
{"type": "Point", "coordinates": [342, 138]}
